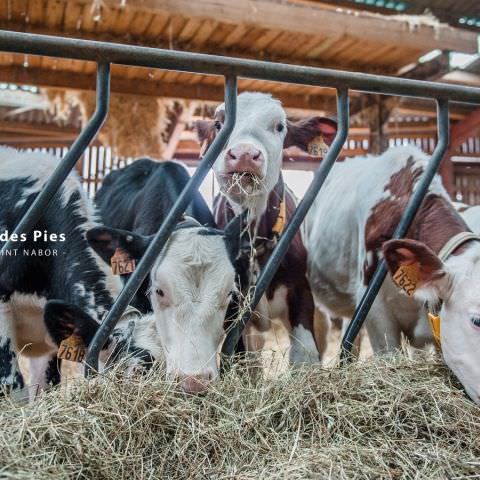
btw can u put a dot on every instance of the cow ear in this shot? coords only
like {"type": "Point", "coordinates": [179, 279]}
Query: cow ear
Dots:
{"type": "Point", "coordinates": [206, 134]}
{"type": "Point", "coordinates": [406, 252]}
{"type": "Point", "coordinates": [233, 235]}
{"type": "Point", "coordinates": [64, 319]}
{"type": "Point", "coordinates": [105, 240]}
{"type": "Point", "coordinates": [303, 132]}
{"type": "Point", "coordinates": [204, 129]}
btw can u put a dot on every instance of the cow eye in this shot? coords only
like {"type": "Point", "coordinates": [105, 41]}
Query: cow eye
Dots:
{"type": "Point", "coordinates": [279, 127]}
{"type": "Point", "coordinates": [159, 292]}
{"type": "Point", "coordinates": [475, 319]}
{"type": "Point", "coordinates": [218, 125]}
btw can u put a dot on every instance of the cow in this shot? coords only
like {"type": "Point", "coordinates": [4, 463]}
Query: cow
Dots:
{"type": "Point", "coordinates": [248, 170]}
{"type": "Point", "coordinates": [471, 215]}
{"type": "Point", "coordinates": [48, 274]}
{"type": "Point", "coordinates": [349, 229]}
{"type": "Point", "coordinates": [192, 283]}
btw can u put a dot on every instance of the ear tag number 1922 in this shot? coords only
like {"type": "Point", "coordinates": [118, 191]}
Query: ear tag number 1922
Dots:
{"type": "Point", "coordinates": [407, 277]}
{"type": "Point", "coordinates": [72, 348]}
{"type": "Point", "coordinates": [122, 263]}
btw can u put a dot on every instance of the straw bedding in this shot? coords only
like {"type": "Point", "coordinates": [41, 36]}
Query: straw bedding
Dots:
{"type": "Point", "coordinates": [381, 418]}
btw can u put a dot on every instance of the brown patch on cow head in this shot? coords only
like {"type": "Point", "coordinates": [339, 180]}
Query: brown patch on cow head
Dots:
{"type": "Point", "coordinates": [207, 130]}
{"type": "Point", "coordinates": [435, 223]}
{"type": "Point", "coordinates": [400, 253]}
{"type": "Point", "coordinates": [301, 133]}
{"type": "Point", "coordinates": [386, 215]}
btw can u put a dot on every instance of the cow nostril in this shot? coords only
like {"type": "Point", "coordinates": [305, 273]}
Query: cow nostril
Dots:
{"type": "Point", "coordinates": [256, 154]}
{"type": "Point", "coordinates": [231, 155]}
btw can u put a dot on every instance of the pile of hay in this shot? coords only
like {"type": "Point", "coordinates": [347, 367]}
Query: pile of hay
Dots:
{"type": "Point", "coordinates": [134, 126]}
{"type": "Point", "coordinates": [377, 419]}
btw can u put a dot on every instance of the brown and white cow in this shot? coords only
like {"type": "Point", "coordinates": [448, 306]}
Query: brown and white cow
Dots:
{"type": "Point", "coordinates": [350, 227]}
{"type": "Point", "coordinates": [249, 174]}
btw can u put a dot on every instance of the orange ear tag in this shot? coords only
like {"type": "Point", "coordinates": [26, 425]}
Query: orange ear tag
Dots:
{"type": "Point", "coordinates": [435, 325]}
{"type": "Point", "coordinates": [72, 348]}
{"type": "Point", "coordinates": [317, 147]}
{"type": "Point", "coordinates": [407, 278]}
{"type": "Point", "coordinates": [122, 263]}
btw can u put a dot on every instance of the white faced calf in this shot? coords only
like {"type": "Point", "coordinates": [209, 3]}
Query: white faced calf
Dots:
{"type": "Point", "coordinates": [192, 283]}
{"type": "Point", "coordinates": [248, 170]}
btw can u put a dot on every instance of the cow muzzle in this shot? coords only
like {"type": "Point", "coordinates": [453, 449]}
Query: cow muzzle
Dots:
{"type": "Point", "coordinates": [244, 158]}
{"type": "Point", "coordinates": [195, 383]}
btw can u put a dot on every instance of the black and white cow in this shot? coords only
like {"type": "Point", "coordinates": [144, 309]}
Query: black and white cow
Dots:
{"type": "Point", "coordinates": [248, 170]}
{"type": "Point", "coordinates": [192, 282]}
{"type": "Point", "coordinates": [51, 275]}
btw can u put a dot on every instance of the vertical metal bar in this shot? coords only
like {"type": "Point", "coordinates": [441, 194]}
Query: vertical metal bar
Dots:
{"type": "Point", "coordinates": [411, 209]}
{"type": "Point", "coordinates": [38, 207]}
{"type": "Point", "coordinates": [280, 250]}
{"type": "Point", "coordinates": [165, 229]}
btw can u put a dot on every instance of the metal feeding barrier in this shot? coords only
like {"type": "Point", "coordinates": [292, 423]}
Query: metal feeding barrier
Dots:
{"type": "Point", "coordinates": [105, 54]}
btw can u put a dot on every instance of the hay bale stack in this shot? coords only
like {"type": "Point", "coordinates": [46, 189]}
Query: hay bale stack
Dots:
{"type": "Point", "coordinates": [378, 419]}
{"type": "Point", "coordinates": [134, 126]}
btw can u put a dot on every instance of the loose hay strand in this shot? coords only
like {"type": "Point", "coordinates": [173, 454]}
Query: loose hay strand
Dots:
{"type": "Point", "coordinates": [383, 418]}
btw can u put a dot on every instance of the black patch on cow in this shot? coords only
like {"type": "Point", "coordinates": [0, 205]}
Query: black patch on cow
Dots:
{"type": "Point", "coordinates": [73, 274]}
{"type": "Point", "coordinates": [53, 374]}
{"type": "Point", "coordinates": [63, 319]}
{"type": "Point", "coordinates": [8, 364]}
{"type": "Point", "coordinates": [138, 197]}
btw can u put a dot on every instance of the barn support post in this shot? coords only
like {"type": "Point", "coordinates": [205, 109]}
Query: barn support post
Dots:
{"type": "Point", "coordinates": [413, 205]}
{"type": "Point", "coordinates": [67, 163]}
{"type": "Point", "coordinates": [293, 225]}
{"type": "Point", "coordinates": [165, 230]}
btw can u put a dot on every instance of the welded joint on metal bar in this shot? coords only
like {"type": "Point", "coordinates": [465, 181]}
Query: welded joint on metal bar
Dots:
{"type": "Point", "coordinates": [165, 230]}
{"type": "Point", "coordinates": [273, 263]}
{"type": "Point", "coordinates": [406, 220]}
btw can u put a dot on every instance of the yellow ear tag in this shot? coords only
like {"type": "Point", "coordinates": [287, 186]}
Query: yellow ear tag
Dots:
{"type": "Point", "coordinates": [121, 262]}
{"type": "Point", "coordinates": [72, 348]}
{"type": "Point", "coordinates": [435, 325]}
{"type": "Point", "coordinates": [317, 147]}
{"type": "Point", "coordinates": [407, 277]}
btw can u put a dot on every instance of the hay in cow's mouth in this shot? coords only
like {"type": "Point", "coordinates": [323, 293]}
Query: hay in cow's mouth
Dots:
{"type": "Point", "coordinates": [394, 418]}
{"type": "Point", "coordinates": [242, 183]}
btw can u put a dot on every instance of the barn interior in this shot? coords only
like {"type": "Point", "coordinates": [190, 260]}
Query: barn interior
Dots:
{"type": "Point", "coordinates": [45, 101]}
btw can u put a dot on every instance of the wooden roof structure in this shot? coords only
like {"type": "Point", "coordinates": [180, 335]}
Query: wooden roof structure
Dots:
{"type": "Point", "coordinates": [293, 31]}
{"type": "Point", "coordinates": [343, 34]}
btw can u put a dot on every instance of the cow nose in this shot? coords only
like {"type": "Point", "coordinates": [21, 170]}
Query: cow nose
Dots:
{"type": "Point", "coordinates": [195, 383]}
{"type": "Point", "coordinates": [244, 157]}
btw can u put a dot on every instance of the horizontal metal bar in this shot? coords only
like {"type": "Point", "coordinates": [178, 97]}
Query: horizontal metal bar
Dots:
{"type": "Point", "coordinates": [295, 221]}
{"type": "Point", "coordinates": [218, 65]}
{"type": "Point", "coordinates": [165, 230]}
{"type": "Point", "coordinates": [411, 209]}
{"type": "Point", "coordinates": [38, 207]}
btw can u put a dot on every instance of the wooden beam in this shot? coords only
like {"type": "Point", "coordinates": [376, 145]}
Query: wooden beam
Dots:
{"type": "Point", "coordinates": [462, 78]}
{"type": "Point", "coordinates": [38, 129]}
{"type": "Point", "coordinates": [184, 118]}
{"type": "Point", "coordinates": [81, 81]}
{"type": "Point", "coordinates": [464, 129]}
{"type": "Point", "coordinates": [190, 46]}
{"type": "Point", "coordinates": [279, 15]}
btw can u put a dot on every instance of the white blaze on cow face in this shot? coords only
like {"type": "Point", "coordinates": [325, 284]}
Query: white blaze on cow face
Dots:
{"type": "Point", "coordinates": [460, 314]}
{"type": "Point", "coordinates": [253, 153]}
{"type": "Point", "coordinates": [191, 287]}
{"type": "Point", "coordinates": [456, 284]}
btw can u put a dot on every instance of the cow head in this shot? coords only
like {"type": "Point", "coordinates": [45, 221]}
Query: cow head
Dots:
{"type": "Point", "coordinates": [455, 284]}
{"type": "Point", "coordinates": [192, 283]}
{"type": "Point", "coordinates": [126, 343]}
{"type": "Point", "coordinates": [248, 167]}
